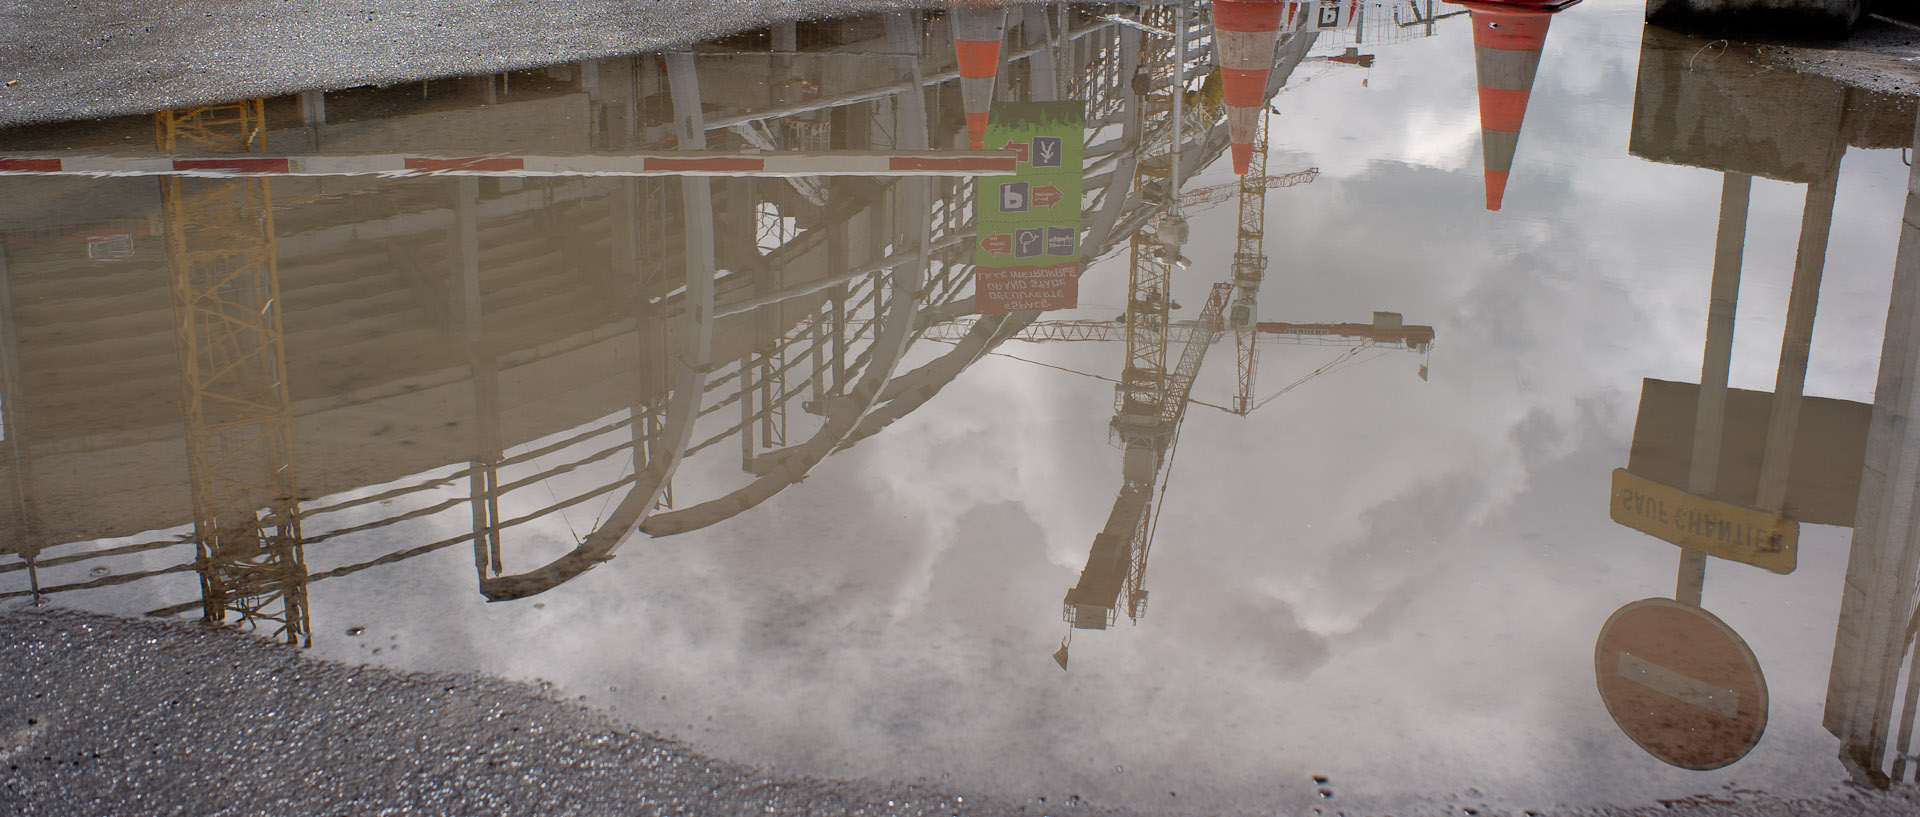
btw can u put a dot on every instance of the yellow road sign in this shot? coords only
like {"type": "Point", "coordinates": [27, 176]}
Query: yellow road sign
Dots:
{"type": "Point", "coordinates": [1718, 528]}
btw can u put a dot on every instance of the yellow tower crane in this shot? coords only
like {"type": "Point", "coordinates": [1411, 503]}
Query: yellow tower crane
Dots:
{"type": "Point", "coordinates": [1150, 399]}
{"type": "Point", "coordinates": [1249, 269]}
{"type": "Point", "coordinates": [1116, 566]}
{"type": "Point", "coordinates": [233, 390]}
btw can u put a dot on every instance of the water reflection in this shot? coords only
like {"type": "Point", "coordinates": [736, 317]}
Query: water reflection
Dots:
{"type": "Point", "coordinates": [782, 294]}
{"type": "Point", "coordinates": [763, 305]}
{"type": "Point", "coordinates": [1507, 43]}
{"type": "Point", "coordinates": [659, 292]}
{"type": "Point", "coordinates": [1731, 473]}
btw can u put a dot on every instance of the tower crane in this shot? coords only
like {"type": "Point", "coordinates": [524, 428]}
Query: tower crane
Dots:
{"type": "Point", "coordinates": [1209, 196]}
{"type": "Point", "coordinates": [1117, 563]}
{"type": "Point", "coordinates": [1242, 317]}
{"type": "Point", "coordinates": [1151, 401]}
{"type": "Point", "coordinates": [1388, 330]}
{"type": "Point", "coordinates": [224, 278]}
{"type": "Point", "coordinates": [1249, 267]}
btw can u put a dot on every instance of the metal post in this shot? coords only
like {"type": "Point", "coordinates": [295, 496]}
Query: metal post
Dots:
{"type": "Point", "coordinates": [745, 387]}
{"type": "Point", "coordinates": [1710, 415]}
{"type": "Point", "coordinates": [1179, 101]}
{"type": "Point", "coordinates": [1816, 221]}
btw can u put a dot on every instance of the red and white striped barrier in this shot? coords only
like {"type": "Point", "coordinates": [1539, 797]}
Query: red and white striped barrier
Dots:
{"type": "Point", "coordinates": [663, 163]}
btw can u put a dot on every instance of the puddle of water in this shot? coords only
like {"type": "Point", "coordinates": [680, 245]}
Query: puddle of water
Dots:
{"type": "Point", "coordinates": [720, 374]}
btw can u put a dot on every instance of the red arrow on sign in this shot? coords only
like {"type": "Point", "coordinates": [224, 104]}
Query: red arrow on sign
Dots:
{"type": "Point", "coordinates": [1047, 196]}
{"type": "Point", "coordinates": [999, 244]}
{"type": "Point", "coordinates": [1017, 147]}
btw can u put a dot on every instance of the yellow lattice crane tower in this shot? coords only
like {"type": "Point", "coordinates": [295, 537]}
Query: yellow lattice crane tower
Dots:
{"type": "Point", "coordinates": [1152, 252]}
{"type": "Point", "coordinates": [1150, 399]}
{"type": "Point", "coordinates": [233, 390]}
{"type": "Point", "coordinates": [1249, 269]}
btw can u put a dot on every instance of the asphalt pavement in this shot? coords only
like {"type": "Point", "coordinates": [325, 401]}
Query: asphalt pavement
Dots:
{"type": "Point", "coordinates": [110, 716]}
{"type": "Point", "coordinates": [69, 59]}
{"type": "Point", "coordinates": [75, 59]}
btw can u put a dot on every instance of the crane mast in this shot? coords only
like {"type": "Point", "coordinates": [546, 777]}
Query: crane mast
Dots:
{"type": "Point", "coordinates": [1117, 563]}
{"type": "Point", "coordinates": [1249, 269]}
{"type": "Point", "coordinates": [1143, 388]}
{"type": "Point", "coordinates": [221, 257]}
{"type": "Point", "coordinates": [1152, 252]}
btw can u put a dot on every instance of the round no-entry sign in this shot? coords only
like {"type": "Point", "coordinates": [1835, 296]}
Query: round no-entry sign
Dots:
{"type": "Point", "coordinates": [1680, 683]}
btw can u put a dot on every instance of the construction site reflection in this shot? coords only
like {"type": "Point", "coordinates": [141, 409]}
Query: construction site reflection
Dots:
{"type": "Point", "coordinates": [543, 315]}
{"type": "Point", "coordinates": [1755, 465]}
{"type": "Point", "coordinates": [267, 361]}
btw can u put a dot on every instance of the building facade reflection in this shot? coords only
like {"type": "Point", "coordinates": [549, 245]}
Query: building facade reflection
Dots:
{"type": "Point", "coordinates": [472, 343]}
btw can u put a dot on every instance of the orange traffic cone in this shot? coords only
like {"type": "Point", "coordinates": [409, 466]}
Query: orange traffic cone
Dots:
{"type": "Point", "coordinates": [1507, 41]}
{"type": "Point", "coordinates": [977, 33]}
{"type": "Point", "coordinates": [1244, 35]}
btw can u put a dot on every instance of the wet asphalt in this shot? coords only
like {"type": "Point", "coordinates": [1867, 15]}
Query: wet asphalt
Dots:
{"type": "Point", "coordinates": [110, 716]}
{"type": "Point", "coordinates": [78, 59]}
{"type": "Point", "coordinates": [105, 716]}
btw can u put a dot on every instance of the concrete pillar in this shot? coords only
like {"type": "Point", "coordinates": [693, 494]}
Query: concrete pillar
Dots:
{"type": "Point", "coordinates": [483, 482]}
{"type": "Point", "coordinates": [1101, 223]}
{"type": "Point", "coordinates": [696, 192]}
{"type": "Point", "coordinates": [19, 517]}
{"type": "Point", "coordinates": [624, 234]}
{"type": "Point", "coordinates": [1043, 67]}
{"type": "Point", "coordinates": [785, 37]}
{"type": "Point", "coordinates": [590, 78]}
{"type": "Point", "coordinates": [649, 82]}
{"type": "Point", "coordinates": [742, 257]}
{"type": "Point", "coordinates": [630, 219]}
{"type": "Point", "coordinates": [910, 108]}
{"type": "Point", "coordinates": [487, 87]}
{"type": "Point", "coordinates": [313, 114]}
{"type": "Point", "coordinates": [697, 338]}
{"type": "Point", "coordinates": [313, 107]}
{"type": "Point", "coordinates": [745, 385]}
{"type": "Point", "coordinates": [1884, 556]}
{"type": "Point", "coordinates": [598, 131]}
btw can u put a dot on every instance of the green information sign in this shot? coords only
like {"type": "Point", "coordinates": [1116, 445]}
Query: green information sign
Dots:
{"type": "Point", "coordinates": [1027, 252]}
